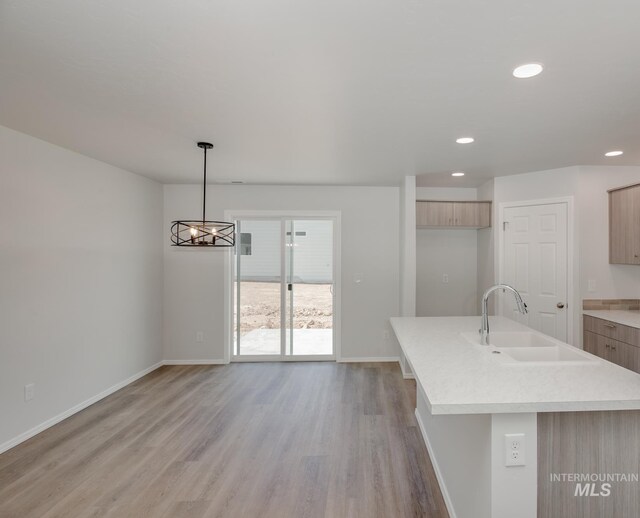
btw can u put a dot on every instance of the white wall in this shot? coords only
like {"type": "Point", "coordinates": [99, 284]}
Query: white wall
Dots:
{"type": "Point", "coordinates": [538, 185]}
{"type": "Point", "coordinates": [460, 451]}
{"type": "Point", "coordinates": [442, 252]}
{"type": "Point", "coordinates": [408, 247]}
{"type": "Point", "coordinates": [485, 265]}
{"type": "Point", "coordinates": [80, 277]}
{"type": "Point", "coordinates": [612, 281]}
{"type": "Point", "coordinates": [446, 193]}
{"type": "Point", "coordinates": [514, 489]}
{"type": "Point", "coordinates": [194, 279]}
{"type": "Point", "coordinates": [407, 259]}
{"type": "Point", "coordinates": [446, 252]}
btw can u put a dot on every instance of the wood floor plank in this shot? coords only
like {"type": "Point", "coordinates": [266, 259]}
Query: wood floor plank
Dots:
{"type": "Point", "coordinates": [253, 439]}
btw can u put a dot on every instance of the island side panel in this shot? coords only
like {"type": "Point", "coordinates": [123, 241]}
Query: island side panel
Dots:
{"type": "Point", "coordinates": [513, 488]}
{"type": "Point", "coordinates": [460, 450]}
{"type": "Point", "coordinates": [585, 443]}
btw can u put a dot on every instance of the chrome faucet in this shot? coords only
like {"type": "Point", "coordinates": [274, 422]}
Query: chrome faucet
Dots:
{"type": "Point", "coordinates": [484, 329]}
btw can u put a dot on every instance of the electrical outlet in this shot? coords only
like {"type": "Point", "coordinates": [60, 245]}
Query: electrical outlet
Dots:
{"type": "Point", "coordinates": [199, 337]}
{"type": "Point", "coordinates": [445, 278]}
{"type": "Point", "coordinates": [386, 335]}
{"type": "Point", "coordinates": [514, 446]}
{"type": "Point", "coordinates": [591, 285]}
{"type": "Point", "coordinates": [29, 391]}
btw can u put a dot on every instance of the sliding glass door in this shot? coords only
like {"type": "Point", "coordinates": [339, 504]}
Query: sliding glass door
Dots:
{"type": "Point", "coordinates": [284, 290]}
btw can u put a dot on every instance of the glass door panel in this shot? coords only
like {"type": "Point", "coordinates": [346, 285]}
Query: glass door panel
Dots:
{"type": "Point", "coordinates": [310, 286]}
{"type": "Point", "coordinates": [258, 288]}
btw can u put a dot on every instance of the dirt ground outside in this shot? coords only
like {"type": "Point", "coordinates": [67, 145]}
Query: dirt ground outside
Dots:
{"type": "Point", "coordinates": [260, 306]}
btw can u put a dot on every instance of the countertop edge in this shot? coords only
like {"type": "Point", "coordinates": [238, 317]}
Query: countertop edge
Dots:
{"type": "Point", "coordinates": [627, 318]}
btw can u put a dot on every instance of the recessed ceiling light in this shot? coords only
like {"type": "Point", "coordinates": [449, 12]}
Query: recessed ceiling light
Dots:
{"type": "Point", "coordinates": [613, 153]}
{"type": "Point", "coordinates": [465, 140]}
{"type": "Point", "coordinates": [458, 173]}
{"type": "Point", "coordinates": [527, 70]}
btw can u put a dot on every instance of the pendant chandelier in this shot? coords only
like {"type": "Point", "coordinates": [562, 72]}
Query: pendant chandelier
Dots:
{"type": "Point", "coordinates": [203, 233]}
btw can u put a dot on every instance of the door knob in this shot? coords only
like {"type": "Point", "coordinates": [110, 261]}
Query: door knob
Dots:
{"type": "Point", "coordinates": [560, 305]}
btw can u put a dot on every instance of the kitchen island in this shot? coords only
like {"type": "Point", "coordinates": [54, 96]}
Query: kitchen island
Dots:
{"type": "Point", "coordinates": [471, 399]}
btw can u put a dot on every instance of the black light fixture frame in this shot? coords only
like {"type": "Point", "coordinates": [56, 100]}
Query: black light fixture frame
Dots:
{"type": "Point", "coordinates": [203, 233]}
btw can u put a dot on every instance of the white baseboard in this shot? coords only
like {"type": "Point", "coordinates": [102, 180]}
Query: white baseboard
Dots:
{"type": "Point", "coordinates": [406, 375]}
{"type": "Point", "coordinates": [75, 409]}
{"type": "Point", "coordinates": [436, 468]}
{"type": "Point", "coordinates": [194, 362]}
{"type": "Point", "coordinates": [369, 359]}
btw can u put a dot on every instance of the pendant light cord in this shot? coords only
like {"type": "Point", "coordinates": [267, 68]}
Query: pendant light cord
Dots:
{"type": "Point", "coordinates": [204, 189]}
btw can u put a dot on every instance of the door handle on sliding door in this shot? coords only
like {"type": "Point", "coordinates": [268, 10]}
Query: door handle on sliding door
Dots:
{"type": "Point", "coordinates": [290, 287]}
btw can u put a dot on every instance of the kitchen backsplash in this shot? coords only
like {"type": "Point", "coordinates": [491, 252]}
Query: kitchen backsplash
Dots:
{"type": "Point", "coordinates": [596, 304]}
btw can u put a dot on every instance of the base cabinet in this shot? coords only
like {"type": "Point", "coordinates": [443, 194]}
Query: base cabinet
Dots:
{"type": "Point", "coordinates": [626, 355]}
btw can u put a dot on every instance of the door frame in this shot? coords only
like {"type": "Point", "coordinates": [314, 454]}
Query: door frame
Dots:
{"type": "Point", "coordinates": [336, 216]}
{"type": "Point", "coordinates": [573, 312]}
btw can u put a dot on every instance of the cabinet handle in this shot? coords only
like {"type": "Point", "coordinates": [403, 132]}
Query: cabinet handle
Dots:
{"type": "Point", "coordinates": [607, 346]}
{"type": "Point", "coordinates": [610, 326]}
{"type": "Point", "coordinates": [613, 347]}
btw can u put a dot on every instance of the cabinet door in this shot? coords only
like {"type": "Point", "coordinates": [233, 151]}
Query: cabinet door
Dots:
{"type": "Point", "coordinates": [624, 226]}
{"type": "Point", "coordinates": [590, 343]}
{"type": "Point", "coordinates": [471, 214]}
{"type": "Point", "coordinates": [596, 344]}
{"type": "Point", "coordinates": [625, 355]}
{"type": "Point", "coordinates": [466, 214]}
{"type": "Point", "coordinates": [434, 213]}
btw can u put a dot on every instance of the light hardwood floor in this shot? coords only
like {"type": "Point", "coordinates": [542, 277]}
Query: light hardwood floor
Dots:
{"type": "Point", "coordinates": [241, 440]}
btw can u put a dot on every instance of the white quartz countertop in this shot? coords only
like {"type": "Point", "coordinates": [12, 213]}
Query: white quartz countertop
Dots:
{"type": "Point", "coordinates": [459, 377]}
{"type": "Point", "coordinates": [619, 316]}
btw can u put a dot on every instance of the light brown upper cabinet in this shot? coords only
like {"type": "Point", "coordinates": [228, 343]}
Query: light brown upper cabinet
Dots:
{"type": "Point", "coordinates": [624, 225]}
{"type": "Point", "coordinates": [453, 214]}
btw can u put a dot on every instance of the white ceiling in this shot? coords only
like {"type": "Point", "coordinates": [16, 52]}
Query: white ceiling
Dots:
{"type": "Point", "coordinates": [325, 91]}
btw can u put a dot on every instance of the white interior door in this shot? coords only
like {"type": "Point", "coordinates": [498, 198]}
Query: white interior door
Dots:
{"type": "Point", "coordinates": [535, 262]}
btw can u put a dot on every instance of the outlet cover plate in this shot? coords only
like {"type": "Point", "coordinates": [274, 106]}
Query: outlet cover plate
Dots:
{"type": "Point", "coordinates": [29, 391]}
{"type": "Point", "coordinates": [515, 449]}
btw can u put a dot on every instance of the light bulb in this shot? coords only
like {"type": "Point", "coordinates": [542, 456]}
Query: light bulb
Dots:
{"type": "Point", "coordinates": [194, 231]}
{"type": "Point", "coordinates": [527, 70]}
